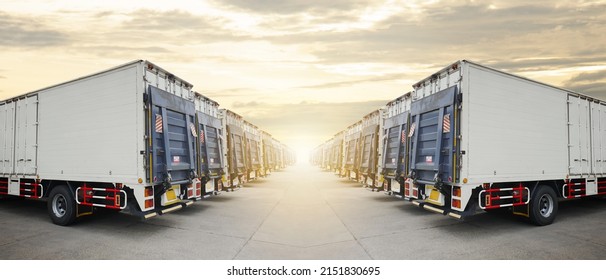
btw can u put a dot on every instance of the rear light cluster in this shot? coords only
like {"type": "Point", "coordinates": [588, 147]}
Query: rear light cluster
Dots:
{"type": "Point", "coordinates": [456, 197]}
{"type": "Point", "coordinates": [198, 189]}
{"type": "Point", "coordinates": [149, 195]}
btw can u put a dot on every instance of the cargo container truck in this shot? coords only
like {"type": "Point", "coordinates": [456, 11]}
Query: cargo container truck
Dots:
{"type": "Point", "coordinates": [254, 163]}
{"type": "Point", "coordinates": [336, 153]}
{"type": "Point", "coordinates": [268, 153]}
{"type": "Point", "coordinates": [326, 154]}
{"type": "Point", "coordinates": [483, 139]}
{"type": "Point", "coordinates": [121, 139]}
{"type": "Point", "coordinates": [278, 156]}
{"type": "Point", "coordinates": [235, 152]}
{"type": "Point", "coordinates": [371, 150]}
{"type": "Point", "coordinates": [209, 147]}
{"type": "Point", "coordinates": [395, 148]}
{"type": "Point", "coordinates": [352, 153]}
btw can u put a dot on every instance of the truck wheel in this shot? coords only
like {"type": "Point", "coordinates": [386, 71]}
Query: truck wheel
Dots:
{"type": "Point", "coordinates": [61, 206]}
{"type": "Point", "coordinates": [543, 206]}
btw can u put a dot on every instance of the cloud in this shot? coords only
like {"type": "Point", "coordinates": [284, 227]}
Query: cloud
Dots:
{"type": "Point", "coordinates": [26, 31]}
{"type": "Point", "coordinates": [355, 82]}
{"type": "Point", "coordinates": [122, 51]}
{"type": "Point", "coordinates": [294, 6]}
{"type": "Point", "coordinates": [150, 20]}
{"type": "Point", "coordinates": [444, 32]}
{"type": "Point", "coordinates": [588, 77]}
{"type": "Point", "coordinates": [590, 83]}
{"type": "Point", "coordinates": [314, 120]}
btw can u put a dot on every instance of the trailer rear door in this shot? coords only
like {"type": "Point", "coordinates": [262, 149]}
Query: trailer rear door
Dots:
{"type": "Point", "coordinates": [431, 136]}
{"type": "Point", "coordinates": [209, 143]}
{"type": "Point", "coordinates": [369, 148]}
{"type": "Point", "coordinates": [26, 135]}
{"type": "Point", "coordinates": [598, 137]}
{"type": "Point", "coordinates": [267, 153]}
{"type": "Point", "coordinates": [395, 146]}
{"type": "Point", "coordinates": [7, 137]}
{"type": "Point", "coordinates": [237, 149]}
{"type": "Point", "coordinates": [352, 151]}
{"type": "Point", "coordinates": [174, 136]}
{"type": "Point", "coordinates": [253, 149]}
{"type": "Point", "coordinates": [579, 131]}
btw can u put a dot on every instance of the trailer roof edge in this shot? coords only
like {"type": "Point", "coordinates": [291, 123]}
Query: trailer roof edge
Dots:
{"type": "Point", "coordinates": [94, 74]}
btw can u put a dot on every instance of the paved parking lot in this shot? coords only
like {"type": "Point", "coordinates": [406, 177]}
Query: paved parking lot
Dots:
{"type": "Point", "coordinates": [302, 213]}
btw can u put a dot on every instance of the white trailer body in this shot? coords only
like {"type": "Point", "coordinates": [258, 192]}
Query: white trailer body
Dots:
{"type": "Point", "coordinates": [487, 139]}
{"type": "Point", "coordinates": [93, 131]}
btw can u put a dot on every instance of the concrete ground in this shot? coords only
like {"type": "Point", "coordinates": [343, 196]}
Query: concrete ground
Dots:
{"type": "Point", "coordinates": [302, 213]}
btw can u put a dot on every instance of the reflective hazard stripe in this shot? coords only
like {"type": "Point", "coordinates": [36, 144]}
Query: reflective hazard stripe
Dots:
{"type": "Point", "coordinates": [192, 127]}
{"type": "Point", "coordinates": [412, 129]}
{"type": "Point", "coordinates": [446, 124]}
{"type": "Point", "coordinates": [159, 128]}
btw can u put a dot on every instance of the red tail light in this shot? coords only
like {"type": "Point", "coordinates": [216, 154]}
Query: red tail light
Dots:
{"type": "Point", "coordinates": [149, 191]}
{"type": "Point", "coordinates": [149, 203]}
{"type": "Point", "coordinates": [456, 203]}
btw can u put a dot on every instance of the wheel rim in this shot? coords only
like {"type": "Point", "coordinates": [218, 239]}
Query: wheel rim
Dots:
{"type": "Point", "coordinates": [59, 205]}
{"type": "Point", "coordinates": [545, 205]}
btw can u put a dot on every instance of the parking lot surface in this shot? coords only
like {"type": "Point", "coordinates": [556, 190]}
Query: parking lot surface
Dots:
{"type": "Point", "coordinates": [302, 213]}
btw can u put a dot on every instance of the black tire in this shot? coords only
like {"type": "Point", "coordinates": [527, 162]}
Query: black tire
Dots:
{"type": "Point", "coordinates": [543, 206]}
{"type": "Point", "coordinates": [61, 206]}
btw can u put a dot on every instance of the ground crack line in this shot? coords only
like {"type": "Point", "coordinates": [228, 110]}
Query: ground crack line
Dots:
{"type": "Point", "coordinates": [257, 229]}
{"type": "Point", "coordinates": [348, 229]}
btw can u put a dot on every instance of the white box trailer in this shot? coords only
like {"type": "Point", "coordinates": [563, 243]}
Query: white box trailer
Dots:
{"type": "Point", "coordinates": [234, 154]}
{"type": "Point", "coordinates": [211, 164]}
{"type": "Point", "coordinates": [120, 139]}
{"type": "Point", "coordinates": [336, 154]}
{"type": "Point", "coordinates": [351, 162]}
{"type": "Point", "coordinates": [254, 158]}
{"type": "Point", "coordinates": [484, 139]}
{"type": "Point", "coordinates": [371, 149]}
{"type": "Point", "coordinates": [394, 159]}
{"type": "Point", "coordinates": [268, 153]}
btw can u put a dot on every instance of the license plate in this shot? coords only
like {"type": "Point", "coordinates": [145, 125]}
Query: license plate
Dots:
{"type": "Point", "coordinates": [170, 194]}
{"type": "Point", "coordinates": [434, 194]}
{"type": "Point", "coordinates": [435, 197]}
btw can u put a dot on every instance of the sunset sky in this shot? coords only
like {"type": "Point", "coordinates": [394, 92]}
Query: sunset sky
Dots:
{"type": "Point", "coordinates": [302, 69]}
